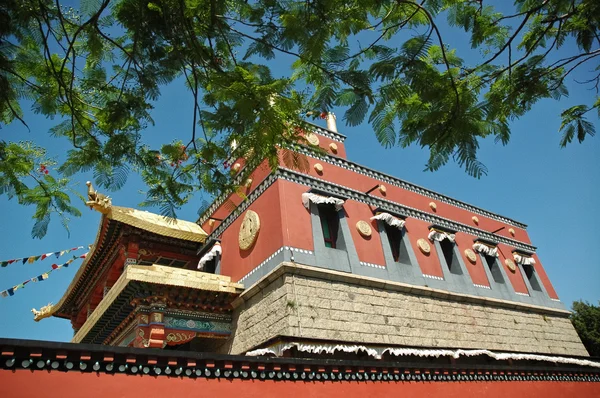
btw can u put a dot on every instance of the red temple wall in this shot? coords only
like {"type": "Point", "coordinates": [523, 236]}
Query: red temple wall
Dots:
{"type": "Point", "coordinates": [236, 263]}
{"type": "Point", "coordinates": [515, 278]}
{"type": "Point", "coordinates": [364, 183]}
{"type": "Point", "coordinates": [476, 271]}
{"type": "Point", "coordinates": [429, 263]}
{"type": "Point", "coordinates": [257, 176]}
{"type": "Point", "coordinates": [368, 249]}
{"type": "Point", "coordinates": [297, 229]}
{"type": "Point", "coordinates": [25, 384]}
{"type": "Point", "coordinates": [324, 143]}
{"type": "Point", "coordinates": [295, 224]}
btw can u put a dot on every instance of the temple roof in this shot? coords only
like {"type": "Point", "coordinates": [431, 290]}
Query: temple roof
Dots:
{"type": "Point", "coordinates": [120, 295]}
{"type": "Point", "coordinates": [157, 224]}
{"type": "Point", "coordinates": [112, 218]}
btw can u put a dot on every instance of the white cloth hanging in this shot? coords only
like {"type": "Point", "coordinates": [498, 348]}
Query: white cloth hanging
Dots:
{"type": "Point", "coordinates": [525, 260]}
{"type": "Point", "coordinates": [308, 197]}
{"type": "Point", "coordinates": [216, 249]}
{"type": "Point", "coordinates": [485, 249]}
{"type": "Point", "coordinates": [440, 236]}
{"type": "Point", "coordinates": [390, 220]}
{"type": "Point", "coordinates": [377, 352]}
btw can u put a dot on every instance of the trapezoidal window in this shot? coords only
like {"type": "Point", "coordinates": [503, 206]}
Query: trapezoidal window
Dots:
{"type": "Point", "coordinates": [449, 257]}
{"type": "Point", "coordinates": [330, 225]}
{"type": "Point", "coordinates": [494, 268]}
{"type": "Point", "coordinates": [399, 250]}
{"type": "Point", "coordinates": [532, 277]}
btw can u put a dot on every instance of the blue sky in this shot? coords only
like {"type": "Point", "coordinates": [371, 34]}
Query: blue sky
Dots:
{"type": "Point", "coordinates": [555, 191]}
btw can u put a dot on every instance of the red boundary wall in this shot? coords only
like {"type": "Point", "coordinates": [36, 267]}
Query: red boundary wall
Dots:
{"type": "Point", "coordinates": [25, 383]}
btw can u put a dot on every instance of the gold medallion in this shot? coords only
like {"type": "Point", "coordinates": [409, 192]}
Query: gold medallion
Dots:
{"type": "Point", "coordinates": [470, 254]}
{"type": "Point", "coordinates": [363, 228]}
{"type": "Point", "coordinates": [249, 230]}
{"type": "Point", "coordinates": [312, 139]}
{"type": "Point", "coordinates": [510, 264]}
{"type": "Point", "coordinates": [424, 246]}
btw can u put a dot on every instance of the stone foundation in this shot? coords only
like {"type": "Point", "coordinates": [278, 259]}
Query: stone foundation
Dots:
{"type": "Point", "coordinates": [301, 302]}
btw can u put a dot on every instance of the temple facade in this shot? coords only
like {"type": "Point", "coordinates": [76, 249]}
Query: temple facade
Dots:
{"type": "Point", "coordinates": [320, 254]}
{"type": "Point", "coordinates": [323, 271]}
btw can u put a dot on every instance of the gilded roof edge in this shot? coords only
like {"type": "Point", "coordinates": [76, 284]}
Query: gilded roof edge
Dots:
{"type": "Point", "coordinates": [163, 275]}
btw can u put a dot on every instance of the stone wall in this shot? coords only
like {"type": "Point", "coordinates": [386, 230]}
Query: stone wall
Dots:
{"type": "Point", "coordinates": [310, 303]}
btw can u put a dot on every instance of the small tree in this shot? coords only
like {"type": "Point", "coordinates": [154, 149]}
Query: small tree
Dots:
{"type": "Point", "coordinates": [586, 319]}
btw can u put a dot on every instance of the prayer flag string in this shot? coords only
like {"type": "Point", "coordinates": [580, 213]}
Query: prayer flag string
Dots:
{"type": "Point", "coordinates": [32, 259]}
{"type": "Point", "coordinates": [39, 278]}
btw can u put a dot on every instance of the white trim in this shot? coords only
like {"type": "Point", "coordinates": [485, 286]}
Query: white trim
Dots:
{"type": "Point", "coordinates": [522, 294]}
{"type": "Point", "coordinates": [212, 253]}
{"type": "Point", "coordinates": [294, 249]}
{"type": "Point", "coordinates": [524, 260]}
{"type": "Point", "coordinates": [389, 220]}
{"type": "Point", "coordinates": [378, 352]}
{"type": "Point", "coordinates": [440, 236]}
{"type": "Point", "coordinates": [308, 197]}
{"type": "Point", "coordinates": [433, 277]}
{"type": "Point", "coordinates": [485, 249]}
{"type": "Point", "coordinates": [372, 265]}
{"type": "Point", "coordinates": [482, 286]}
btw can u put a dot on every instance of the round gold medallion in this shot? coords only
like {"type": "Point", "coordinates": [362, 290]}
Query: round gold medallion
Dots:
{"type": "Point", "coordinates": [510, 264]}
{"type": "Point", "coordinates": [382, 189]}
{"type": "Point", "coordinates": [312, 139]}
{"type": "Point", "coordinates": [249, 230]}
{"type": "Point", "coordinates": [475, 220]}
{"type": "Point", "coordinates": [511, 231]}
{"type": "Point", "coordinates": [318, 168]}
{"type": "Point", "coordinates": [363, 228]}
{"type": "Point", "coordinates": [433, 206]}
{"type": "Point", "coordinates": [333, 147]}
{"type": "Point", "coordinates": [424, 246]}
{"type": "Point", "coordinates": [470, 254]}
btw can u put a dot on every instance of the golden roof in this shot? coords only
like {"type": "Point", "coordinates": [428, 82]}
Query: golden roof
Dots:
{"type": "Point", "coordinates": [144, 220]}
{"type": "Point", "coordinates": [159, 225]}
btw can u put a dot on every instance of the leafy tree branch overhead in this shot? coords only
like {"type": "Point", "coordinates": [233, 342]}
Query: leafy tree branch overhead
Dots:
{"type": "Point", "coordinates": [97, 69]}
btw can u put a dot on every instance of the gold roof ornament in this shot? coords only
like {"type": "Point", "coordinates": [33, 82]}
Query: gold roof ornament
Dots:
{"type": "Point", "coordinates": [44, 312]}
{"type": "Point", "coordinates": [97, 201]}
{"type": "Point", "coordinates": [145, 220]}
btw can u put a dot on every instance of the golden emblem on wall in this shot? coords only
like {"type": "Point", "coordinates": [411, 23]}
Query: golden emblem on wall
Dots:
{"type": "Point", "coordinates": [312, 139]}
{"type": "Point", "coordinates": [333, 147]}
{"type": "Point", "coordinates": [475, 220]}
{"type": "Point", "coordinates": [433, 206]}
{"type": "Point", "coordinates": [363, 228]}
{"type": "Point", "coordinates": [510, 264]}
{"type": "Point", "coordinates": [424, 246]}
{"type": "Point", "coordinates": [470, 254]}
{"type": "Point", "coordinates": [249, 230]}
{"type": "Point", "coordinates": [511, 231]}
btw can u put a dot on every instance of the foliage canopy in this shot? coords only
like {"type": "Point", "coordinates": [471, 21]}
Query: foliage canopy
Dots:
{"type": "Point", "coordinates": [586, 319]}
{"type": "Point", "coordinates": [98, 68]}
